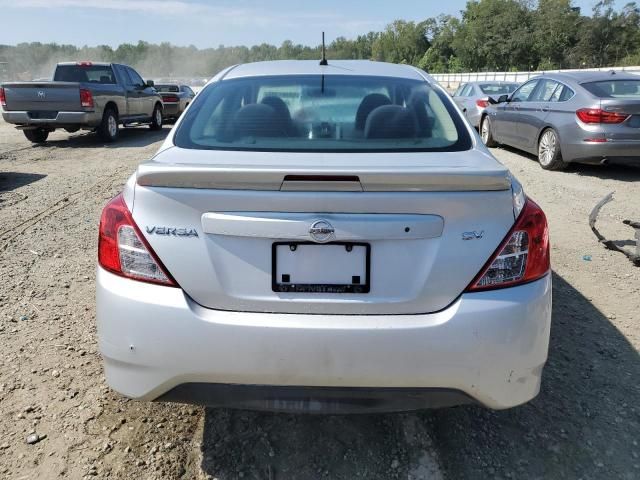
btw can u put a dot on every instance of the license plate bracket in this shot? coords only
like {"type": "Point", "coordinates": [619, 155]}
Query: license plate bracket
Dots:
{"type": "Point", "coordinates": [308, 267]}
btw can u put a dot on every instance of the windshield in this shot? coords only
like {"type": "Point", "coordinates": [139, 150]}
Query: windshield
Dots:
{"type": "Point", "coordinates": [614, 88]}
{"type": "Point", "coordinates": [498, 88]}
{"type": "Point", "coordinates": [167, 88]}
{"type": "Point", "coordinates": [322, 113]}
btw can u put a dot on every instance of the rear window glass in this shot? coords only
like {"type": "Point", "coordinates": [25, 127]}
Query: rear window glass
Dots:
{"type": "Point", "coordinates": [322, 113]}
{"type": "Point", "coordinates": [84, 73]}
{"type": "Point", "coordinates": [498, 88]}
{"type": "Point", "coordinates": [614, 88]}
{"type": "Point", "coordinates": [167, 88]}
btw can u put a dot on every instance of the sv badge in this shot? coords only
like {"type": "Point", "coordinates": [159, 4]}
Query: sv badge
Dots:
{"type": "Point", "coordinates": [473, 235]}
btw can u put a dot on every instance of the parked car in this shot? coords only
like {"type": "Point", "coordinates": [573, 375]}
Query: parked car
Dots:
{"type": "Point", "coordinates": [589, 117]}
{"type": "Point", "coordinates": [473, 97]}
{"type": "Point", "coordinates": [82, 95]}
{"type": "Point", "coordinates": [175, 98]}
{"type": "Point", "coordinates": [327, 239]}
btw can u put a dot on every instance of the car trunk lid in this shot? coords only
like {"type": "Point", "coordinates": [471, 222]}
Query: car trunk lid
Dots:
{"type": "Point", "coordinates": [246, 231]}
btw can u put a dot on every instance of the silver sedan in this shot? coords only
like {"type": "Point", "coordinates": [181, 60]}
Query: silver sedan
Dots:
{"type": "Point", "coordinates": [324, 238]}
{"type": "Point", "coordinates": [589, 117]}
{"type": "Point", "coordinates": [473, 97]}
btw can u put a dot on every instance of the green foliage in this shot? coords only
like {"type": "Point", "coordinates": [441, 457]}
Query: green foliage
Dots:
{"type": "Point", "coordinates": [490, 35]}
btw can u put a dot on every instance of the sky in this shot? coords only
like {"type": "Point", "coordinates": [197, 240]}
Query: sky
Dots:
{"type": "Point", "coordinates": [208, 23]}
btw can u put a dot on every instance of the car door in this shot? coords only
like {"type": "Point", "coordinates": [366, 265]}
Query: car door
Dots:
{"type": "Point", "coordinates": [129, 92]}
{"type": "Point", "coordinates": [146, 94]}
{"type": "Point", "coordinates": [505, 124]}
{"type": "Point", "coordinates": [533, 113]}
{"type": "Point", "coordinates": [134, 95]}
{"type": "Point", "coordinates": [464, 98]}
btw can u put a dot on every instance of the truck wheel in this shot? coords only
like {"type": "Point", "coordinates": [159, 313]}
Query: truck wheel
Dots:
{"type": "Point", "coordinates": [38, 135]}
{"type": "Point", "coordinates": [109, 128]}
{"type": "Point", "coordinates": [156, 118]}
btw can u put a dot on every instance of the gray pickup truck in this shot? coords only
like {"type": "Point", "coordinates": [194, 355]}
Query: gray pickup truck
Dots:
{"type": "Point", "coordinates": [82, 95]}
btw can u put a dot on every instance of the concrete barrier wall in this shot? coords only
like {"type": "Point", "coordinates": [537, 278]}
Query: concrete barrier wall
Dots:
{"type": "Point", "coordinates": [451, 81]}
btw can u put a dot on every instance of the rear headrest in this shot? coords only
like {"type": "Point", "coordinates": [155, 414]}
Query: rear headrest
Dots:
{"type": "Point", "coordinates": [391, 121]}
{"type": "Point", "coordinates": [418, 102]}
{"type": "Point", "coordinates": [367, 105]}
{"type": "Point", "coordinates": [282, 111]}
{"type": "Point", "coordinates": [258, 120]}
{"type": "Point", "coordinates": [105, 79]}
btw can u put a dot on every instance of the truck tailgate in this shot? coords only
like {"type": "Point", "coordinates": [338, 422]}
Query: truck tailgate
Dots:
{"type": "Point", "coordinates": [43, 97]}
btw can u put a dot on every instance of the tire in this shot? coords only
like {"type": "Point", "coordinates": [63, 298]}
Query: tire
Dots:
{"type": "Point", "coordinates": [109, 129]}
{"type": "Point", "coordinates": [486, 134]}
{"type": "Point", "coordinates": [156, 118]}
{"type": "Point", "coordinates": [38, 135]}
{"type": "Point", "coordinates": [549, 154]}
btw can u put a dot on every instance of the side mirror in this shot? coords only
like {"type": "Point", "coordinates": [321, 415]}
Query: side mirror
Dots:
{"type": "Point", "coordinates": [503, 98]}
{"type": "Point", "coordinates": [150, 83]}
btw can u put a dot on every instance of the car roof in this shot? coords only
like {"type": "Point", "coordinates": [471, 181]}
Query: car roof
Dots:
{"type": "Point", "coordinates": [313, 67]}
{"type": "Point", "coordinates": [493, 82]}
{"type": "Point", "coordinates": [97, 64]}
{"type": "Point", "coordinates": [589, 76]}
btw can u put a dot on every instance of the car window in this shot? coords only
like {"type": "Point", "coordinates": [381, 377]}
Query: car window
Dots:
{"type": "Point", "coordinates": [566, 94]}
{"type": "Point", "coordinates": [135, 78]}
{"type": "Point", "coordinates": [544, 91]}
{"type": "Point", "coordinates": [614, 88]}
{"type": "Point", "coordinates": [468, 91]}
{"type": "Point", "coordinates": [524, 92]}
{"type": "Point", "coordinates": [86, 73]}
{"type": "Point", "coordinates": [167, 88]}
{"type": "Point", "coordinates": [189, 91]}
{"type": "Point", "coordinates": [333, 113]}
{"type": "Point", "coordinates": [459, 90]}
{"type": "Point", "coordinates": [497, 88]}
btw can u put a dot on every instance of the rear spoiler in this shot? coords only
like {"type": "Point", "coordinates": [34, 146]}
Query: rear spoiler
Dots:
{"type": "Point", "coordinates": [406, 179]}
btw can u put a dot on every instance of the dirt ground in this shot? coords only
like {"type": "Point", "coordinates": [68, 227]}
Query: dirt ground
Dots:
{"type": "Point", "coordinates": [585, 424]}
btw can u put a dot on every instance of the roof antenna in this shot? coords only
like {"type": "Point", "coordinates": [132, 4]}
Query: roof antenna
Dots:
{"type": "Point", "coordinates": [324, 57]}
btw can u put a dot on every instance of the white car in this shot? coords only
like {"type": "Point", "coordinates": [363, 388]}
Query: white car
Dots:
{"type": "Point", "coordinates": [324, 239]}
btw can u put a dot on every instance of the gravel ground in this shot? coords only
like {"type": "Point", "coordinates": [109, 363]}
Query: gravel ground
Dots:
{"type": "Point", "coordinates": [584, 424]}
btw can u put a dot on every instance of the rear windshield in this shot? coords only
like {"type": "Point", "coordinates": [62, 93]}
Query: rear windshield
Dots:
{"type": "Point", "coordinates": [322, 113]}
{"type": "Point", "coordinates": [614, 88]}
{"type": "Point", "coordinates": [84, 73]}
{"type": "Point", "coordinates": [498, 88]}
{"type": "Point", "coordinates": [167, 88]}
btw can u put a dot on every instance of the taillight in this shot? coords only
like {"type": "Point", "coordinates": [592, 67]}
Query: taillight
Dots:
{"type": "Point", "coordinates": [597, 115]}
{"type": "Point", "coordinates": [482, 102]}
{"type": "Point", "coordinates": [522, 257]}
{"type": "Point", "coordinates": [170, 98]}
{"type": "Point", "coordinates": [84, 64]}
{"type": "Point", "coordinates": [123, 250]}
{"type": "Point", "coordinates": [3, 97]}
{"type": "Point", "coordinates": [86, 98]}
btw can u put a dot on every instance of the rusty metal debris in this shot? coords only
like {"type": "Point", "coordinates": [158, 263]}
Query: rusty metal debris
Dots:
{"type": "Point", "coordinates": [611, 244]}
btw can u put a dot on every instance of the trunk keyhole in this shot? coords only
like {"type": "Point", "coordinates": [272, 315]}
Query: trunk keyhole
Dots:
{"type": "Point", "coordinates": [407, 229]}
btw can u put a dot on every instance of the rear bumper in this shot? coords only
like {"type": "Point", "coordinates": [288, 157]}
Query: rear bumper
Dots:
{"type": "Point", "coordinates": [490, 346]}
{"type": "Point", "coordinates": [623, 151]}
{"type": "Point", "coordinates": [62, 119]}
{"type": "Point", "coordinates": [171, 110]}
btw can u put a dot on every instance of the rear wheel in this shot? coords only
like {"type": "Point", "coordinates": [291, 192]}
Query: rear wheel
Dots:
{"type": "Point", "coordinates": [485, 133]}
{"type": "Point", "coordinates": [156, 118]}
{"type": "Point", "coordinates": [549, 154]}
{"type": "Point", "coordinates": [109, 129]}
{"type": "Point", "coordinates": [37, 135]}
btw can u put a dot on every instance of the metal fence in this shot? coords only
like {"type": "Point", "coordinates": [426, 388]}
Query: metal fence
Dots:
{"type": "Point", "coordinates": [452, 80]}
